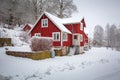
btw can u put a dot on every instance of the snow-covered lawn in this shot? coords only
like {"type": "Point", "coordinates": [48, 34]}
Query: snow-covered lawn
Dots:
{"type": "Point", "coordinates": [95, 64]}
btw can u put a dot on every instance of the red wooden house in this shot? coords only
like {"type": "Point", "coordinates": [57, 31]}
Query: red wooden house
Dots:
{"type": "Point", "coordinates": [65, 32]}
{"type": "Point", "coordinates": [27, 27]}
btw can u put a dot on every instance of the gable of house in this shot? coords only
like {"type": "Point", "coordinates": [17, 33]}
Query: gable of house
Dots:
{"type": "Point", "coordinates": [55, 20]}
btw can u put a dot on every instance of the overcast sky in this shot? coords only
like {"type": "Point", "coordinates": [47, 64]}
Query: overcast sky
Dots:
{"type": "Point", "coordinates": [98, 12]}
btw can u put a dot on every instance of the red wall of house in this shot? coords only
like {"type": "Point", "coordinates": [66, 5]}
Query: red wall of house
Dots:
{"type": "Point", "coordinates": [69, 41]}
{"type": "Point", "coordinates": [75, 28]}
{"type": "Point", "coordinates": [85, 38]}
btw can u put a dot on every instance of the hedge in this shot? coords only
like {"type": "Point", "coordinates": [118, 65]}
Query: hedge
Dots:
{"type": "Point", "coordinates": [5, 42]}
{"type": "Point", "coordinates": [41, 43]}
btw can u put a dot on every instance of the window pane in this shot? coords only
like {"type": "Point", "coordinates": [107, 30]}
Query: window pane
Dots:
{"type": "Point", "coordinates": [64, 36]}
{"type": "Point", "coordinates": [57, 36]}
{"type": "Point", "coordinates": [44, 22]}
{"type": "Point", "coordinates": [75, 37]}
{"type": "Point", "coordinates": [54, 36]}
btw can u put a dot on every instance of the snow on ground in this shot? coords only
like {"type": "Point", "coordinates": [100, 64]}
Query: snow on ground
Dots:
{"type": "Point", "coordinates": [24, 48]}
{"type": "Point", "coordinates": [95, 64]}
{"type": "Point", "coordinates": [13, 34]}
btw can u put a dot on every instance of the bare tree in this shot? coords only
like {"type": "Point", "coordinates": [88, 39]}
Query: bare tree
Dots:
{"type": "Point", "coordinates": [107, 29]}
{"type": "Point", "coordinates": [113, 36]}
{"type": "Point", "coordinates": [98, 35]}
{"type": "Point", "coordinates": [61, 8]}
{"type": "Point", "coordinates": [118, 39]}
{"type": "Point", "coordinates": [14, 12]}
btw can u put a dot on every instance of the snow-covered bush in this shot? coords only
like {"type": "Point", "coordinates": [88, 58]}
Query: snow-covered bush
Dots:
{"type": "Point", "coordinates": [41, 43]}
{"type": "Point", "coordinates": [24, 36]}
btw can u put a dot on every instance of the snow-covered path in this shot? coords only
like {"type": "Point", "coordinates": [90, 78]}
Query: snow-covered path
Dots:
{"type": "Point", "coordinates": [95, 64]}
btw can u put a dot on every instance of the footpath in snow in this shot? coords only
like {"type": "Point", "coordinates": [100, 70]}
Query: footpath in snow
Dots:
{"type": "Point", "coordinates": [95, 64]}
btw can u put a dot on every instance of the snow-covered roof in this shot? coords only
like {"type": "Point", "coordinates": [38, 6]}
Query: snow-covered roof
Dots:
{"type": "Point", "coordinates": [31, 25]}
{"type": "Point", "coordinates": [57, 22]}
{"type": "Point", "coordinates": [71, 20]}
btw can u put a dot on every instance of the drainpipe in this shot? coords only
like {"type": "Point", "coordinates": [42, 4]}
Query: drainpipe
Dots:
{"type": "Point", "coordinates": [61, 39]}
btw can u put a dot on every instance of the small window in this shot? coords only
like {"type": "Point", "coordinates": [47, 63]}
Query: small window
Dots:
{"type": "Point", "coordinates": [44, 22]}
{"type": "Point", "coordinates": [64, 36]}
{"type": "Point", "coordinates": [81, 38]}
{"type": "Point", "coordinates": [56, 36]}
{"type": "Point", "coordinates": [81, 26]}
{"type": "Point", "coordinates": [37, 34]}
{"type": "Point", "coordinates": [75, 37]}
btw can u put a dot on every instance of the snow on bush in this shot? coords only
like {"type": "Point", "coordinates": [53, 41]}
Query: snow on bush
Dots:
{"type": "Point", "coordinates": [14, 35]}
{"type": "Point", "coordinates": [24, 37]}
{"type": "Point", "coordinates": [41, 43]}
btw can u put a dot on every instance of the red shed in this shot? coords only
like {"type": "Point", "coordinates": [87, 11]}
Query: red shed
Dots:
{"type": "Point", "coordinates": [64, 32]}
{"type": "Point", "coordinates": [27, 27]}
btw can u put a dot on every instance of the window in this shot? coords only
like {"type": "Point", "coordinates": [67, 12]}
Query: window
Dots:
{"type": "Point", "coordinates": [81, 38]}
{"type": "Point", "coordinates": [75, 37]}
{"type": "Point", "coordinates": [65, 37]}
{"type": "Point", "coordinates": [81, 26]}
{"type": "Point", "coordinates": [44, 22]}
{"type": "Point", "coordinates": [56, 36]}
{"type": "Point", "coordinates": [37, 34]}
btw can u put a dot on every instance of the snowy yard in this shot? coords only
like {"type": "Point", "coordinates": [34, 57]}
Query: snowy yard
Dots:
{"type": "Point", "coordinates": [95, 64]}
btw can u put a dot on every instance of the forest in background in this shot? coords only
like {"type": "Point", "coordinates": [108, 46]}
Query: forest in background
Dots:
{"type": "Point", "coordinates": [108, 37]}
{"type": "Point", "coordinates": [19, 12]}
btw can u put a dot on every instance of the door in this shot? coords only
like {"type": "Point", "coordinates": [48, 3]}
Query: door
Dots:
{"type": "Point", "coordinates": [76, 40]}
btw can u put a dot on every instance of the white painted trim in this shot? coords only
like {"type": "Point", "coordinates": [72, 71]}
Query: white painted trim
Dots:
{"type": "Point", "coordinates": [42, 21]}
{"type": "Point", "coordinates": [81, 26]}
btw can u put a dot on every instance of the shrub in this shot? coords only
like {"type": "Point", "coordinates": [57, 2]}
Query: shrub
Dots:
{"type": "Point", "coordinates": [41, 43]}
{"type": "Point", "coordinates": [24, 37]}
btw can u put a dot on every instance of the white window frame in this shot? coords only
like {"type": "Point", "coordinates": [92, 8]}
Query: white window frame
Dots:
{"type": "Point", "coordinates": [37, 34]}
{"type": "Point", "coordinates": [44, 23]}
{"type": "Point", "coordinates": [81, 26]}
{"type": "Point", "coordinates": [55, 34]}
{"type": "Point", "coordinates": [81, 38]}
{"type": "Point", "coordinates": [65, 37]}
